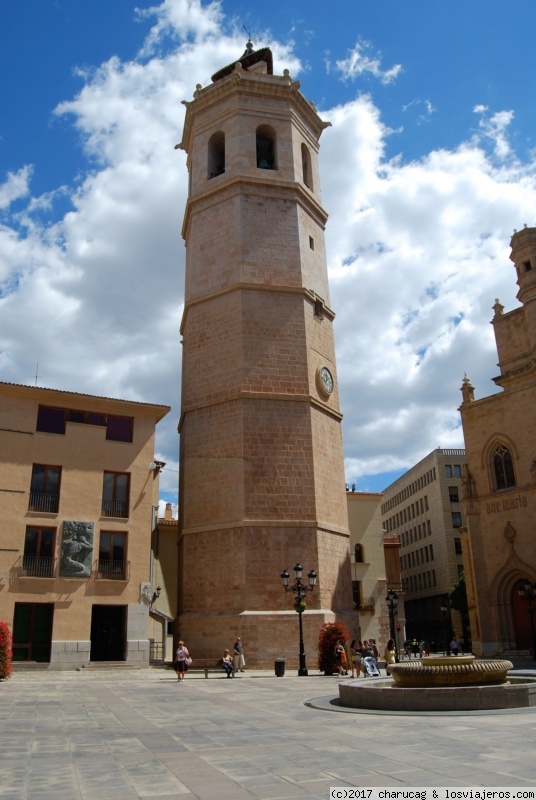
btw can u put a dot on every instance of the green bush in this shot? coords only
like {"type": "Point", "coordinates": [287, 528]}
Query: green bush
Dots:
{"type": "Point", "coordinates": [6, 652]}
{"type": "Point", "coordinates": [327, 639]}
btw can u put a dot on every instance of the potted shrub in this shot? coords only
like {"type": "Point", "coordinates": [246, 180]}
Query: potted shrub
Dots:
{"type": "Point", "coordinates": [6, 653]}
{"type": "Point", "coordinates": [327, 639]}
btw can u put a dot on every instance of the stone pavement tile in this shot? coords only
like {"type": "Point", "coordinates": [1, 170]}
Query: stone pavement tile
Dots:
{"type": "Point", "coordinates": [280, 791]}
{"type": "Point", "coordinates": [149, 777]}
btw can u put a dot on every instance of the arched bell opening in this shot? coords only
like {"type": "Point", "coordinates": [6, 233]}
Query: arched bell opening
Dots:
{"type": "Point", "coordinates": [266, 142]}
{"type": "Point", "coordinates": [306, 167]}
{"type": "Point", "coordinates": [216, 154]}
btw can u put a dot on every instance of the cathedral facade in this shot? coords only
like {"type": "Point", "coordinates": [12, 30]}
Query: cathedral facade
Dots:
{"type": "Point", "coordinates": [500, 481]}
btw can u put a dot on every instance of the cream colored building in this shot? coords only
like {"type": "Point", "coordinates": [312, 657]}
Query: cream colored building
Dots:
{"type": "Point", "coordinates": [369, 574]}
{"type": "Point", "coordinates": [500, 485]}
{"type": "Point", "coordinates": [423, 508]}
{"type": "Point", "coordinates": [261, 463]}
{"type": "Point", "coordinates": [164, 575]}
{"type": "Point", "coordinates": [78, 492]}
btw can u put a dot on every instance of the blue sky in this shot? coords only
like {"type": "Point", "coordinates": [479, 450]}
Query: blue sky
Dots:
{"type": "Point", "coordinates": [428, 167]}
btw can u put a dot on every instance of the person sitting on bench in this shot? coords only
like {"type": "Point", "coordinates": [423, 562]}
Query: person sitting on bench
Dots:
{"type": "Point", "coordinates": [227, 664]}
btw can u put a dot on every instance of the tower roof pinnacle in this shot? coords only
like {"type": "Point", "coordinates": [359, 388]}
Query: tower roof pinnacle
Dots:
{"type": "Point", "coordinates": [248, 59]}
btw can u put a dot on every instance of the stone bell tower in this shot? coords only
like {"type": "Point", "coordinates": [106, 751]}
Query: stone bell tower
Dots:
{"type": "Point", "coordinates": [261, 463]}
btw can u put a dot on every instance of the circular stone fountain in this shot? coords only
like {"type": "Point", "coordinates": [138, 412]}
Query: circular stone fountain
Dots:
{"type": "Point", "coordinates": [450, 671]}
{"type": "Point", "coordinates": [435, 683]}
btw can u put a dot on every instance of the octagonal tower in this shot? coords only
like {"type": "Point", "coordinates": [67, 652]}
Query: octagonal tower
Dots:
{"type": "Point", "coordinates": [261, 462]}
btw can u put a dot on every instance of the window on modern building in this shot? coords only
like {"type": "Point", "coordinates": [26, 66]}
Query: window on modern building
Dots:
{"type": "Point", "coordinates": [38, 558]}
{"type": "Point", "coordinates": [266, 147]}
{"type": "Point", "coordinates": [458, 546]}
{"type": "Point", "coordinates": [429, 527]}
{"type": "Point", "coordinates": [359, 553]}
{"type": "Point", "coordinates": [456, 519]}
{"type": "Point", "coordinates": [112, 555]}
{"type": "Point", "coordinates": [53, 420]}
{"type": "Point", "coordinates": [115, 494]}
{"type": "Point", "coordinates": [45, 489]}
{"type": "Point", "coordinates": [426, 554]}
{"type": "Point", "coordinates": [448, 470]}
{"type": "Point", "coordinates": [216, 154]}
{"type": "Point", "coordinates": [454, 496]}
{"type": "Point", "coordinates": [457, 471]}
{"type": "Point", "coordinates": [119, 429]}
{"type": "Point", "coordinates": [306, 166]}
{"type": "Point", "coordinates": [503, 468]}
{"type": "Point", "coordinates": [432, 554]}
{"type": "Point", "coordinates": [434, 578]}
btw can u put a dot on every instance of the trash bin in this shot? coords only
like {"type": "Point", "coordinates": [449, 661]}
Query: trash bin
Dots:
{"type": "Point", "coordinates": [279, 665]}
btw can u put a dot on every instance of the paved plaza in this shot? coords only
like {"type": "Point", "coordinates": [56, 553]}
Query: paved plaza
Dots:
{"type": "Point", "coordinates": [121, 734]}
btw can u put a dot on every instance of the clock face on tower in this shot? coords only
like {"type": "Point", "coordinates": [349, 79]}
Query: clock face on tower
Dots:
{"type": "Point", "coordinates": [324, 381]}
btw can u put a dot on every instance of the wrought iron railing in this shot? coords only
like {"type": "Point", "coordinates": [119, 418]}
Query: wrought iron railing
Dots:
{"type": "Point", "coordinates": [36, 567]}
{"type": "Point", "coordinates": [156, 651]}
{"type": "Point", "coordinates": [113, 570]}
{"type": "Point", "coordinates": [114, 508]}
{"type": "Point", "coordinates": [41, 501]}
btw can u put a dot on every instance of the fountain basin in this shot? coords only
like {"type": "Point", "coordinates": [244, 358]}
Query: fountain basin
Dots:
{"type": "Point", "coordinates": [458, 671]}
{"type": "Point", "coordinates": [384, 695]}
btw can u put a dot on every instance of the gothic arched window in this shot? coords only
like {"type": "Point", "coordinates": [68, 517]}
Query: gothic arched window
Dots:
{"type": "Point", "coordinates": [266, 147]}
{"type": "Point", "coordinates": [216, 154]}
{"type": "Point", "coordinates": [306, 167]}
{"type": "Point", "coordinates": [358, 550]}
{"type": "Point", "coordinates": [503, 468]}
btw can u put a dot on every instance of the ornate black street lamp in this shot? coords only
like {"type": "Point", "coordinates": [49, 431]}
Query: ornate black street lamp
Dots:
{"type": "Point", "coordinates": [445, 610]}
{"type": "Point", "coordinates": [527, 591]}
{"type": "Point", "coordinates": [155, 596]}
{"type": "Point", "coordinates": [392, 605]}
{"type": "Point", "coordinates": [299, 590]}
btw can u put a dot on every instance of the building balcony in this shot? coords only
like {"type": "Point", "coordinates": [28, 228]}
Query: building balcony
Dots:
{"type": "Point", "coordinates": [36, 567]}
{"type": "Point", "coordinates": [46, 503]}
{"type": "Point", "coordinates": [114, 508]}
{"type": "Point", "coordinates": [113, 570]}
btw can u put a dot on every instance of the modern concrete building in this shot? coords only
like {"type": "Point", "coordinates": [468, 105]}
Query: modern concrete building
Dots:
{"type": "Point", "coordinates": [423, 508]}
{"type": "Point", "coordinates": [500, 483]}
{"type": "Point", "coordinates": [78, 491]}
{"type": "Point", "coordinates": [261, 464]}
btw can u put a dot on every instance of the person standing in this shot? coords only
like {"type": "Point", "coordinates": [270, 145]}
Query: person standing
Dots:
{"type": "Point", "coordinates": [389, 654]}
{"type": "Point", "coordinates": [182, 656]}
{"type": "Point", "coordinates": [239, 660]}
{"type": "Point", "coordinates": [356, 654]}
{"type": "Point", "coordinates": [340, 658]}
{"type": "Point", "coordinates": [454, 646]}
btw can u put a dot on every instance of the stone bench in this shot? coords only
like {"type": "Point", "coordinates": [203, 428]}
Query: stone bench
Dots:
{"type": "Point", "coordinates": [206, 666]}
